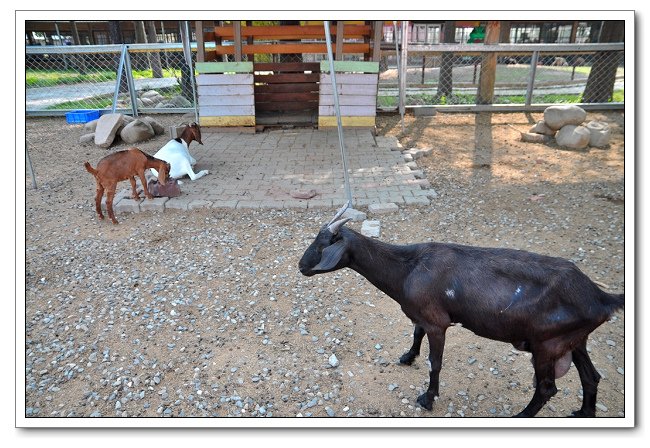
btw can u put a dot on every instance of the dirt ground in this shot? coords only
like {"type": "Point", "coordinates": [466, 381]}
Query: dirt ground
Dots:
{"type": "Point", "coordinates": [204, 313]}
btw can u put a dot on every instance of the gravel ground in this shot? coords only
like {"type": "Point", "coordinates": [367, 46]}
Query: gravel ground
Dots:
{"type": "Point", "coordinates": [204, 313]}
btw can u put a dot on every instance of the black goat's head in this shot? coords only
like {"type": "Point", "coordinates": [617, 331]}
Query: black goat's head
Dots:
{"type": "Point", "coordinates": [328, 251]}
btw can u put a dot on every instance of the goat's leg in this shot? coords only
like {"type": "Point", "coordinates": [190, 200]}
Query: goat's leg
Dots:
{"type": "Point", "coordinates": [110, 194]}
{"type": "Point", "coordinates": [98, 200]}
{"type": "Point", "coordinates": [589, 378]}
{"type": "Point", "coordinates": [545, 389]}
{"type": "Point", "coordinates": [144, 186]}
{"type": "Point", "coordinates": [436, 339]}
{"type": "Point", "coordinates": [408, 357]}
{"type": "Point", "coordinates": [134, 189]}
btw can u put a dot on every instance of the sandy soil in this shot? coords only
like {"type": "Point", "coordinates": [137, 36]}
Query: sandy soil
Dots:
{"type": "Point", "coordinates": [176, 326]}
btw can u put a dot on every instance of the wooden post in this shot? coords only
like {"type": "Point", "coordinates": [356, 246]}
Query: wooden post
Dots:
{"type": "Point", "coordinates": [574, 32]}
{"type": "Point", "coordinates": [339, 40]}
{"type": "Point", "coordinates": [200, 42]}
{"type": "Point", "coordinates": [488, 66]}
{"type": "Point", "coordinates": [376, 44]}
{"type": "Point", "coordinates": [237, 31]}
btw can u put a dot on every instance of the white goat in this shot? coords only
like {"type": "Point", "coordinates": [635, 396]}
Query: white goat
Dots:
{"type": "Point", "coordinates": [176, 152]}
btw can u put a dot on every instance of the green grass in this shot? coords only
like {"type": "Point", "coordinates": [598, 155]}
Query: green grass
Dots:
{"type": "Point", "coordinates": [106, 101]}
{"type": "Point", "coordinates": [42, 78]}
{"type": "Point", "coordinates": [427, 99]}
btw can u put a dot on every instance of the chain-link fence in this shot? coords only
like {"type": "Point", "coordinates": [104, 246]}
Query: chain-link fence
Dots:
{"type": "Point", "coordinates": [521, 76]}
{"type": "Point", "coordinates": [156, 78]}
{"type": "Point", "coordinates": [62, 78]}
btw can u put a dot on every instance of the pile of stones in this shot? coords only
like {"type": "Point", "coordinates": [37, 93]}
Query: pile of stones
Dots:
{"type": "Point", "coordinates": [104, 131]}
{"type": "Point", "coordinates": [566, 124]}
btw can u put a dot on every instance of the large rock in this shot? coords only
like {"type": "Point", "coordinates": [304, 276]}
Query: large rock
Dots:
{"type": "Point", "coordinates": [107, 127]}
{"type": "Point", "coordinates": [137, 131]}
{"type": "Point", "coordinates": [531, 137]}
{"type": "Point", "coordinates": [541, 128]}
{"type": "Point", "coordinates": [599, 132]}
{"type": "Point", "coordinates": [557, 117]}
{"type": "Point", "coordinates": [180, 101]}
{"type": "Point", "coordinates": [571, 136]}
{"type": "Point", "coordinates": [157, 127]}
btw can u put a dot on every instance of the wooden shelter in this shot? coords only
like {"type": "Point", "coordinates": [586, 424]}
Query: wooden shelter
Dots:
{"type": "Point", "coordinates": [273, 74]}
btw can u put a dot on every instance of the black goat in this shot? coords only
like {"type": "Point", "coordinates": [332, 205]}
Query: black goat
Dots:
{"type": "Point", "coordinates": [540, 304]}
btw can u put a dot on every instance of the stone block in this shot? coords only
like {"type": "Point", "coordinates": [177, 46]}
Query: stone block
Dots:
{"type": "Point", "coordinates": [574, 137]}
{"type": "Point", "coordinates": [383, 208]}
{"type": "Point", "coordinates": [371, 229]}
{"type": "Point", "coordinates": [557, 117]}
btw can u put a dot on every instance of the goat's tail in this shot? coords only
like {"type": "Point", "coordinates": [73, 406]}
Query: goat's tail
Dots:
{"type": "Point", "coordinates": [90, 169]}
{"type": "Point", "coordinates": [614, 302]}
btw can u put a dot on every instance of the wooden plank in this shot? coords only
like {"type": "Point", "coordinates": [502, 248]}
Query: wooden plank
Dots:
{"type": "Point", "coordinates": [200, 43]}
{"type": "Point", "coordinates": [351, 66]}
{"type": "Point", "coordinates": [286, 78]}
{"type": "Point", "coordinates": [303, 105]}
{"type": "Point", "coordinates": [339, 41]}
{"type": "Point", "coordinates": [378, 32]}
{"type": "Point", "coordinates": [327, 122]}
{"type": "Point", "coordinates": [227, 100]}
{"type": "Point", "coordinates": [350, 78]}
{"type": "Point", "coordinates": [291, 48]}
{"type": "Point", "coordinates": [350, 111]}
{"type": "Point", "coordinates": [237, 40]}
{"type": "Point", "coordinates": [220, 79]}
{"type": "Point", "coordinates": [286, 96]}
{"type": "Point", "coordinates": [224, 67]}
{"type": "Point", "coordinates": [349, 100]}
{"type": "Point", "coordinates": [302, 87]}
{"type": "Point", "coordinates": [224, 111]}
{"type": "Point", "coordinates": [348, 89]}
{"type": "Point", "coordinates": [291, 31]}
{"type": "Point", "coordinates": [225, 90]}
{"type": "Point", "coordinates": [227, 121]}
{"type": "Point", "coordinates": [287, 66]}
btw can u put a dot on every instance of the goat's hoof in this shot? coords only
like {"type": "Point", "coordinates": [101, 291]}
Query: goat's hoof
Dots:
{"type": "Point", "coordinates": [582, 414]}
{"type": "Point", "coordinates": [149, 196]}
{"type": "Point", "coordinates": [407, 359]}
{"type": "Point", "coordinates": [425, 401]}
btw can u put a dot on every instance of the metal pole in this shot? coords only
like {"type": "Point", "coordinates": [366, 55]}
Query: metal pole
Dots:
{"type": "Point", "coordinates": [328, 39]}
{"type": "Point", "coordinates": [188, 58]}
{"type": "Point", "coordinates": [531, 79]}
{"type": "Point", "coordinates": [119, 78]}
{"type": "Point", "coordinates": [404, 67]}
{"type": "Point", "coordinates": [31, 168]}
{"type": "Point", "coordinates": [399, 72]}
{"type": "Point", "coordinates": [131, 83]}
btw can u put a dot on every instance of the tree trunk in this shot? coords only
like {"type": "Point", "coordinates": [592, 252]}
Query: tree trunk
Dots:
{"type": "Point", "coordinates": [445, 84]}
{"type": "Point", "coordinates": [600, 84]}
{"type": "Point", "coordinates": [78, 60]}
{"type": "Point", "coordinates": [186, 72]}
{"type": "Point", "coordinates": [152, 37]}
{"type": "Point", "coordinates": [115, 35]}
{"type": "Point", "coordinates": [141, 60]}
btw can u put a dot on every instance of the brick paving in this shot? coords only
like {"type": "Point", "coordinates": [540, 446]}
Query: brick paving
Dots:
{"type": "Point", "coordinates": [261, 170]}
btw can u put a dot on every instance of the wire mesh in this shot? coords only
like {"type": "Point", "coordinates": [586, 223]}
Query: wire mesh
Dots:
{"type": "Point", "coordinates": [64, 78]}
{"type": "Point", "coordinates": [441, 78]}
{"type": "Point", "coordinates": [84, 77]}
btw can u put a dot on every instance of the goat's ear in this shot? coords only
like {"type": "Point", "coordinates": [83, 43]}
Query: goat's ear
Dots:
{"type": "Point", "coordinates": [331, 256]}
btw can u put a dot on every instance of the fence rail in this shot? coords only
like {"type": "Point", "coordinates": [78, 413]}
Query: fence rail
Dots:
{"type": "Point", "coordinates": [447, 77]}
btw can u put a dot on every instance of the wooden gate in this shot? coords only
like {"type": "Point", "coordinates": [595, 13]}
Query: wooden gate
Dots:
{"type": "Point", "coordinates": [286, 92]}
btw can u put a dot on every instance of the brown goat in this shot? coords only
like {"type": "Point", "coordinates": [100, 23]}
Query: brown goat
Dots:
{"type": "Point", "coordinates": [120, 166]}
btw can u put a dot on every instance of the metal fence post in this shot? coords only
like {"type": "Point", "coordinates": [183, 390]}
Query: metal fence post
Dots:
{"type": "Point", "coordinates": [531, 79]}
{"type": "Point", "coordinates": [129, 80]}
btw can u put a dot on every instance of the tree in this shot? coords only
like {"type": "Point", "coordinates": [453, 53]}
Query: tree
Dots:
{"type": "Point", "coordinates": [115, 35]}
{"type": "Point", "coordinates": [445, 84]}
{"type": "Point", "coordinates": [152, 37]}
{"type": "Point", "coordinates": [600, 84]}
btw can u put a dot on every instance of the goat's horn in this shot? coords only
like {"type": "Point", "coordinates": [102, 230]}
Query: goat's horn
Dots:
{"type": "Point", "coordinates": [339, 213]}
{"type": "Point", "coordinates": [334, 227]}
